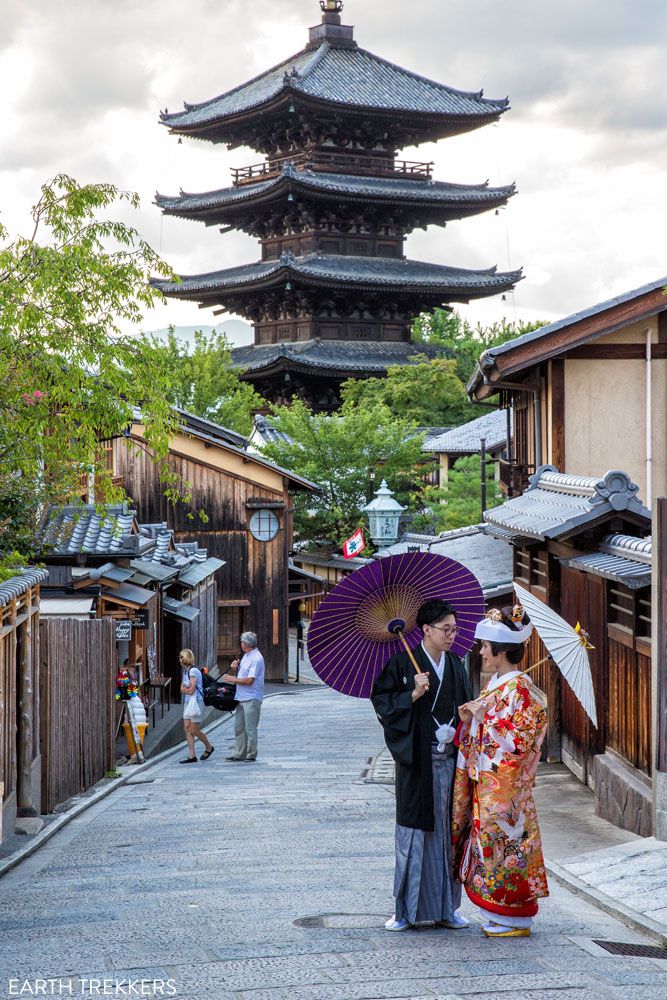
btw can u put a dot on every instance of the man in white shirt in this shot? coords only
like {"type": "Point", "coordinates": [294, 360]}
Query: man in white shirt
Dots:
{"type": "Point", "coordinates": [248, 675]}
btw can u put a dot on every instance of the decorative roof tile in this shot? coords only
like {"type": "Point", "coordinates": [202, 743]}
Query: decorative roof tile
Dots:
{"type": "Point", "coordinates": [556, 504]}
{"type": "Point", "coordinates": [465, 440]}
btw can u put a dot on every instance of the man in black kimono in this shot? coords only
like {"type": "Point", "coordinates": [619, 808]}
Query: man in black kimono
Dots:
{"type": "Point", "coordinates": [419, 713]}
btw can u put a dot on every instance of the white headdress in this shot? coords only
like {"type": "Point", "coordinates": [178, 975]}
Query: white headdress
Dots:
{"type": "Point", "coordinates": [493, 628]}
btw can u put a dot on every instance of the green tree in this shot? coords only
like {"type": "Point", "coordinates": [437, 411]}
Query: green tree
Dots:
{"type": "Point", "coordinates": [203, 381]}
{"type": "Point", "coordinates": [442, 328]}
{"type": "Point", "coordinates": [68, 378]}
{"type": "Point", "coordinates": [339, 453]}
{"type": "Point", "coordinates": [458, 502]}
{"type": "Point", "coordinates": [429, 393]}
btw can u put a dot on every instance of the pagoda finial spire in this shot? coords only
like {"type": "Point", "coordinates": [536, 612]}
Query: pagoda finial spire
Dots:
{"type": "Point", "coordinates": [331, 11]}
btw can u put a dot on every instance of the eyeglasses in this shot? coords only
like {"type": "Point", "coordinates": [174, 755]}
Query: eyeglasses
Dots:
{"type": "Point", "coordinates": [447, 631]}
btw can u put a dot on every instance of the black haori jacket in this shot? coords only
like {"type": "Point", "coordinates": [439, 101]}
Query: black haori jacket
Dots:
{"type": "Point", "coordinates": [408, 728]}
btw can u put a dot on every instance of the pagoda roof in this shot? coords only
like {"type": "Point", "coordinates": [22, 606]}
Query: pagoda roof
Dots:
{"type": "Point", "coordinates": [333, 270]}
{"type": "Point", "coordinates": [358, 356]}
{"type": "Point", "coordinates": [461, 199]}
{"type": "Point", "coordinates": [338, 76]}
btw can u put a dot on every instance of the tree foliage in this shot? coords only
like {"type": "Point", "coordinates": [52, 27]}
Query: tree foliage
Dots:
{"type": "Point", "coordinates": [68, 377]}
{"type": "Point", "coordinates": [340, 453]}
{"type": "Point", "coordinates": [429, 393]}
{"type": "Point", "coordinates": [462, 341]}
{"type": "Point", "coordinates": [203, 381]}
{"type": "Point", "coordinates": [458, 502]}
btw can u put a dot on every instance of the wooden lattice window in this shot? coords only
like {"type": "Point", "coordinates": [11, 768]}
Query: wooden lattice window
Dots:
{"type": "Point", "coordinates": [644, 613]}
{"type": "Point", "coordinates": [621, 608]}
{"type": "Point", "coordinates": [539, 572]}
{"type": "Point", "coordinates": [522, 565]}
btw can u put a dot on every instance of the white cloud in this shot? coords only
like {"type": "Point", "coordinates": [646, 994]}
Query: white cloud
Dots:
{"type": "Point", "coordinates": [585, 140]}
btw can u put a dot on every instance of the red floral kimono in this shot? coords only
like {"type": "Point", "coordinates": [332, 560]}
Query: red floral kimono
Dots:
{"type": "Point", "coordinates": [495, 837]}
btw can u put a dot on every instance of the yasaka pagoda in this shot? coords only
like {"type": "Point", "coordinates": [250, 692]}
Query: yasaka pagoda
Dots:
{"type": "Point", "coordinates": [333, 296]}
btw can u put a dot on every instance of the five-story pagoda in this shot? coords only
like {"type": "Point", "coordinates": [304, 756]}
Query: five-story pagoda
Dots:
{"type": "Point", "coordinates": [333, 296]}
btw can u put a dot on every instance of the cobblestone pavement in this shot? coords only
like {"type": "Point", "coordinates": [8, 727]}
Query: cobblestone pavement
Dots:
{"type": "Point", "coordinates": [271, 881]}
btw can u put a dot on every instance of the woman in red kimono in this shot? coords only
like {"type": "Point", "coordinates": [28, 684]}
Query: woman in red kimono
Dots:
{"type": "Point", "coordinates": [495, 836]}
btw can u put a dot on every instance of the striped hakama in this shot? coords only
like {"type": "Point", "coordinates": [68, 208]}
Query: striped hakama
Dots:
{"type": "Point", "coordinates": [424, 884]}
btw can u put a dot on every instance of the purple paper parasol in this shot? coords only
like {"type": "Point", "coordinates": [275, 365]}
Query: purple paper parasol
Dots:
{"type": "Point", "coordinates": [349, 640]}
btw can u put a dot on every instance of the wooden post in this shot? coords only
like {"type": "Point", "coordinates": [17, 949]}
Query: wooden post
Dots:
{"type": "Point", "coordinates": [482, 456]}
{"type": "Point", "coordinates": [659, 657]}
{"type": "Point", "coordinates": [25, 722]}
{"type": "Point", "coordinates": [659, 650]}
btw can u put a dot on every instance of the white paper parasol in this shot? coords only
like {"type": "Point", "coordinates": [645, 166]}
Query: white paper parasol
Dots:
{"type": "Point", "coordinates": [568, 646]}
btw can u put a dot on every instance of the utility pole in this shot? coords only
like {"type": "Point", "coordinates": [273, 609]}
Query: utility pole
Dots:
{"type": "Point", "coordinates": [482, 454]}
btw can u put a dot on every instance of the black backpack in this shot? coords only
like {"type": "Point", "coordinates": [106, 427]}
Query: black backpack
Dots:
{"type": "Point", "coordinates": [219, 695]}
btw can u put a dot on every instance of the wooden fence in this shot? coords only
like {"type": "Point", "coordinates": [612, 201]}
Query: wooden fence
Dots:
{"type": "Point", "coordinates": [77, 705]}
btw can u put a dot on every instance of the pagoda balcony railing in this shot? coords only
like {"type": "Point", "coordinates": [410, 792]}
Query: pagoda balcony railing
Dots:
{"type": "Point", "coordinates": [344, 163]}
{"type": "Point", "coordinates": [513, 477]}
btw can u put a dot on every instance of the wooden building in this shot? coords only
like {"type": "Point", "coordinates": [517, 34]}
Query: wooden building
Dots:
{"type": "Point", "coordinates": [333, 296]}
{"type": "Point", "coordinates": [587, 393]}
{"type": "Point", "coordinates": [448, 444]}
{"type": "Point", "coordinates": [162, 593]}
{"type": "Point", "coordinates": [581, 544]}
{"type": "Point", "coordinates": [20, 759]}
{"type": "Point", "coordinates": [247, 523]}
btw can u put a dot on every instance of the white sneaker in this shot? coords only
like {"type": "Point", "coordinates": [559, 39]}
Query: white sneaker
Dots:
{"type": "Point", "coordinates": [396, 925]}
{"type": "Point", "coordinates": [457, 923]}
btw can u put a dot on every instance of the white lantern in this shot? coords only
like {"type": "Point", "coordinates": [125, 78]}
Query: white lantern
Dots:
{"type": "Point", "coordinates": [384, 514]}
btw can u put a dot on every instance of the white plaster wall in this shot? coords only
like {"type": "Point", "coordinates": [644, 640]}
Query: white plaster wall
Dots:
{"type": "Point", "coordinates": [605, 415]}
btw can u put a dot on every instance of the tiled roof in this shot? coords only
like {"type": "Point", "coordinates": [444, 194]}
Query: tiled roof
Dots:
{"type": "Point", "coordinates": [375, 188]}
{"type": "Point", "coordinates": [383, 273]}
{"type": "Point", "coordinates": [197, 572]}
{"type": "Point", "coordinates": [179, 609]}
{"type": "Point", "coordinates": [556, 504]}
{"type": "Point", "coordinates": [267, 433]}
{"type": "Point", "coordinates": [621, 558]}
{"type": "Point", "coordinates": [346, 355]}
{"type": "Point", "coordinates": [19, 584]}
{"type": "Point", "coordinates": [475, 548]}
{"type": "Point", "coordinates": [466, 438]}
{"type": "Point", "coordinates": [211, 433]}
{"type": "Point", "coordinates": [488, 358]}
{"type": "Point", "coordinates": [83, 528]}
{"type": "Point", "coordinates": [191, 422]}
{"type": "Point", "coordinates": [352, 77]}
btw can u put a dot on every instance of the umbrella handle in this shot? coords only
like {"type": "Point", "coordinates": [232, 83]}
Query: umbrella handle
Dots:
{"type": "Point", "coordinates": [538, 664]}
{"type": "Point", "coordinates": [409, 652]}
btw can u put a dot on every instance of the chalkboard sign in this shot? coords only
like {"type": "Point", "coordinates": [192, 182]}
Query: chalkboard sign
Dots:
{"type": "Point", "coordinates": [123, 631]}
{"type": "Point", "coordinates": [140, 619]}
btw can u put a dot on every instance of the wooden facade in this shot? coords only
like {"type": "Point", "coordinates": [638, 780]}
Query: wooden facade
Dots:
{"type": "Point", "coordinates": [236, 490]}
{"type": "Point", "coordinates": [78, 680]}
{"type": "Point", "coordinates": [19, 698]}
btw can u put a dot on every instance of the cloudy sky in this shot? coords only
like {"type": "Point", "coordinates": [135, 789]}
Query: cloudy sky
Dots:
{"type": "Point", "coordinates": [83, 82]}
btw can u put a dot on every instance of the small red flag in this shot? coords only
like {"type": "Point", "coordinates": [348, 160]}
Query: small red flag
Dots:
{"type": "Point", "coordinates": [354, 545]}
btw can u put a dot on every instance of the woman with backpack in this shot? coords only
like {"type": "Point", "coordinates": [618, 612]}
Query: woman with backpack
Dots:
{"type": "Point", "coordinates": [193, 707]}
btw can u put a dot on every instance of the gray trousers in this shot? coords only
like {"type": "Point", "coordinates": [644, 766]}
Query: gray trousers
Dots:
{"type": "Point", "coordinates": [246, 719]}
{"type": "Point", "coordinates": [424, 884]}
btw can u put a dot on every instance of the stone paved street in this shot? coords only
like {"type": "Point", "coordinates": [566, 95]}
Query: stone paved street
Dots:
{"type": "Point", "coordinates": [271, 881]}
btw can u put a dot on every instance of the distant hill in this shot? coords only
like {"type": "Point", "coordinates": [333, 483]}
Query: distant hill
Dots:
{"type": "Point", "coordinates": [238, 333]}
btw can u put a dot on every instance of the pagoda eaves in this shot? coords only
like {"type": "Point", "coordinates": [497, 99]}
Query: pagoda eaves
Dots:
{"type": "Point", "coordinates": [380, 102]}
{"type": "Point", "coordinates": [259, 208]}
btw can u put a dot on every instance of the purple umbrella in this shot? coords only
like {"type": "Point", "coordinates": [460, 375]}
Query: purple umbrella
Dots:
{"type": "Point", "coordinates": [358, 626]}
